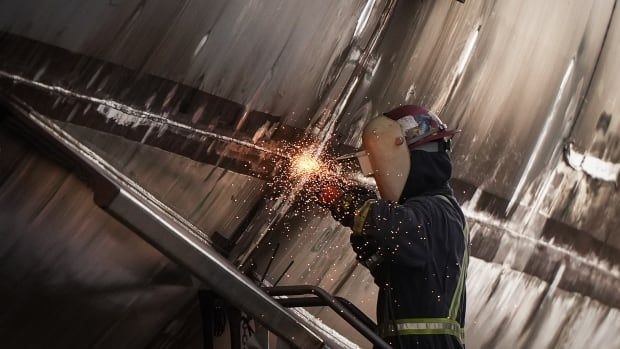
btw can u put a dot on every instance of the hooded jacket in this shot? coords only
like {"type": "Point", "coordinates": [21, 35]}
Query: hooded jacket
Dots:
{"type": "Point", "coordinates": [422, 243]}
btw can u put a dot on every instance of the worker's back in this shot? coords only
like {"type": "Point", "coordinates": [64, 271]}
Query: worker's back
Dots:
{"type": "Point", "coordinates": [420, 276]}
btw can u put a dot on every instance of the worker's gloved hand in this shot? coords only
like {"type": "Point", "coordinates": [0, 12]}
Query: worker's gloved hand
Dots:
{"type": "Point", "coordinates": [343, 202]}
{"type": "Point", "coordinates": [363, 246]}
{"type": "Point", "coordinates": [367, 251]}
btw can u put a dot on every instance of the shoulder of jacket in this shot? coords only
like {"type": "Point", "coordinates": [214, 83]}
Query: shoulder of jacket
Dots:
{"type": "Point", "coordinates": [434, 203]}
{"type": "Point", "coordinates": [425, 200]}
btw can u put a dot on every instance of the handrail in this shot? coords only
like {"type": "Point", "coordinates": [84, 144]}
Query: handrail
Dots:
{"type": "Point", "coordinates": [306, 302]}
{"type": "Point", "coordinates": [345, 309]}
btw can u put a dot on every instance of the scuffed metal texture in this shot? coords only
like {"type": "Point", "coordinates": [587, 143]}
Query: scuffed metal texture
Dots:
{"type": "Point", "coordinates": [579, 198]}
{"type": "Point", "coordinates": [71, 275]}
{"type": "Point", "coordinates": [214, 199]}
{"type": "Point", "coordinates": [274, 56]}
{"type": "Point", "coordinates": [148, 109]}
{"type": "Point", "coordinates": [512, 77]}
{"type": "Point", "coordinates": [522, 79]}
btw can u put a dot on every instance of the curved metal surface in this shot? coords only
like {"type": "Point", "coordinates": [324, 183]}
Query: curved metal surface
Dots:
{"type": "Point", "coordinates": [233, 49]}
{"type": "Point", "coordinates": [521, 78]}
{"type": "Point", "coordinates": [72, 276]}
{"type": "Point", "coordinates": [170, 233]}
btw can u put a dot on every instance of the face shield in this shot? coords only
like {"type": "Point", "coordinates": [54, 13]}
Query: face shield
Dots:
{"type": "Point", "coordinates": [385, 156]}
{"type": "Point", "coordinates": [387, 140]}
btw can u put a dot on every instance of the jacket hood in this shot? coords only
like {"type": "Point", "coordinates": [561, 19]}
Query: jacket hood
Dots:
{"type": "Point", "coordinates": [429, 175]}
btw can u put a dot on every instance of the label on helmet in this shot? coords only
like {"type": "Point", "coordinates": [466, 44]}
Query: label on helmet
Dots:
{"type": "Point", "coordinates": [409, 126]}
{"type": "Point", "coordinates": [407, 122]}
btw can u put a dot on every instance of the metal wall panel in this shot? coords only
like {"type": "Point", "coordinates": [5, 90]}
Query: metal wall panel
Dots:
{"type": "Point", "coordinates": [493, 69]}
{"type": "Point", "coordinates": [580, 196]}
{"type": "Point", "coordinates": [276, 56]}
{"type": "Point", "coordinates": [214, 199]}
{"type": "Point", "coordinates": [71, 275]}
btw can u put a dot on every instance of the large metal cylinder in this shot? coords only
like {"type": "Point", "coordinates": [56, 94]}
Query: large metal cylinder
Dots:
{"type": "Point", "coordinates": [185, 96]}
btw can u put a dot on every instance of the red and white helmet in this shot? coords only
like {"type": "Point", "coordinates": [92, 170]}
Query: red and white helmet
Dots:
{"type": "Point", "coordinates": [388, 139]}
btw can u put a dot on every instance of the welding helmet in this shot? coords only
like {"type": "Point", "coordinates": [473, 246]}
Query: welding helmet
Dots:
{"type": "Point", "coordinates": [388, 139]}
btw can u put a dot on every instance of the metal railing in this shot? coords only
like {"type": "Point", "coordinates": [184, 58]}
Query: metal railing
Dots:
{"type": "Point", "coordinates": [319, 297]}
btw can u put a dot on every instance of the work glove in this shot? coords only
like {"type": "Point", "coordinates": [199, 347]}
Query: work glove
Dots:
{"type": "Point", "coordinates": [363, 246]}
{"type": "Point", "coordinates": [367, 251]}
{"type": "Point", "coordinates": [343, 202]}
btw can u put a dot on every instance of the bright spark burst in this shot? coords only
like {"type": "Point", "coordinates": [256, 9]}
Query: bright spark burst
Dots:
{"type": "Point", "coordinates": [310, 175]}
{"type": "Point", "coordinates": [305, 164]}
{"type": "Point", "coordinates": [306, 173]}
{"type": "Point", "coordinates": [310, 171]}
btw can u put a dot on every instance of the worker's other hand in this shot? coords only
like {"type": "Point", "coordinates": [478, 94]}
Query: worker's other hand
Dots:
{"type": "Point", "coordinates": [363, 246]}
{"type": "Point", "coordinates": [342, 203]}
{"type": "Point", "coordinates": [367, 251]}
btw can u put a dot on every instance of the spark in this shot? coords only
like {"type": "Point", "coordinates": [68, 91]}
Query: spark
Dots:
{"type": "Point", "coordinates": [311, 177]}
{"type": "Point", "coordinates": [308, 166]}
{"type": "Point", "coordinates": [305, 164]}
{"type": "Point", "coordinates": [308, 172]}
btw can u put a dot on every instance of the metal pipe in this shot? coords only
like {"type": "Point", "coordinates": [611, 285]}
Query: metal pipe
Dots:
{"type": "Point", "coordinates": [358, 313]}
{"type": "Point", "coordinates": [307, 302]}
{"type": "Point", "coordinates": [332, 302]}
{"type": "Point", "coordinates": [301, 302]}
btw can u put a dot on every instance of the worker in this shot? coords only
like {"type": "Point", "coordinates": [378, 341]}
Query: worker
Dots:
{"type": "Point", "coordinates": [414, 238]}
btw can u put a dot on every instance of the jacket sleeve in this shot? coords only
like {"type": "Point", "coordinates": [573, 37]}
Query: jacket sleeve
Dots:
{"type": "Point", "coordinates": [400, 231]}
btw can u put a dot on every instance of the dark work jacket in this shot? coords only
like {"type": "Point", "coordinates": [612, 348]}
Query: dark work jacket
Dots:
{"type": "Point", "coordinates": [422, 244]}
